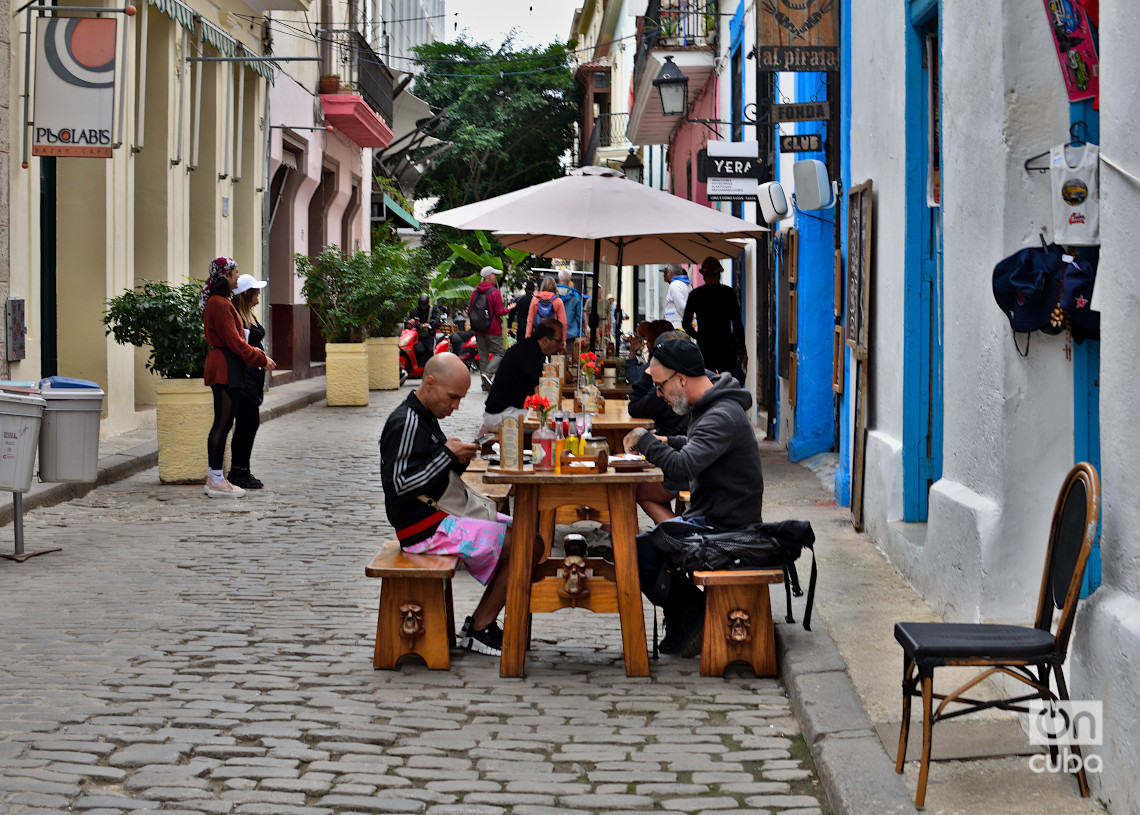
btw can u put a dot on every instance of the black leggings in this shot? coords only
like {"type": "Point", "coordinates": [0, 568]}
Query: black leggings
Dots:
{"type": "Point", "coordinates": [231, 405]}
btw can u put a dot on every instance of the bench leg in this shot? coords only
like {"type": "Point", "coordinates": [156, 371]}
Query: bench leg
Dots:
{"type": "Point", "coordinates": [718, 651]}
{"type": "Point", "coordinates": [433, 644]}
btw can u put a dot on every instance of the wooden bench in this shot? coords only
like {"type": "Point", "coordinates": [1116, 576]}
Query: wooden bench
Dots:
{"type": "Point", "coordinates": [738, 620]}
{"type": "Point", "coordinates": [416, 614]}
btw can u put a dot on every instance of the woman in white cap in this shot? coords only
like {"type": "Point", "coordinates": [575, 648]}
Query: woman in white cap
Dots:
{"type": "Point", "coordinates": [251, 392]}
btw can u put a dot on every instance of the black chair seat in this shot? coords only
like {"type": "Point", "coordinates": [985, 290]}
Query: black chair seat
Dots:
{"type": "Point", "coordinates": [934, 644]}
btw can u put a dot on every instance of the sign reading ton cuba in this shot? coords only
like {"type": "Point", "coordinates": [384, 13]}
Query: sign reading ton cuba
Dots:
{"type": "Point", "coordinates": [799, 35]}
{"type": "Point", "coordinates": [75, 87]}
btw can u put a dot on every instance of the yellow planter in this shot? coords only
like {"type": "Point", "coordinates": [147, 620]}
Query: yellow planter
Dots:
{"type": "Point", "coordinates": [383, 363]}
{"type": "Point", "coordinates": [346, 373]}
{"type": "Point", "coordinates": [185, 412]}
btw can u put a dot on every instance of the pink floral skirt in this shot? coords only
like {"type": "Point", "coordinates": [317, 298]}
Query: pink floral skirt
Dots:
{"type": "Point", "coordinates": [479, 544]}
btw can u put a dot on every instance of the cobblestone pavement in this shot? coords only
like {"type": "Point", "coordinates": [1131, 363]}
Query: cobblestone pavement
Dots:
{"type": "Point", "coordinates": [198, 656]}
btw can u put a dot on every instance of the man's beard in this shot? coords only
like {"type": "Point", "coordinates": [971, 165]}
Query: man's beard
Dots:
{"type": "Point", "coordinates": [679, 404]}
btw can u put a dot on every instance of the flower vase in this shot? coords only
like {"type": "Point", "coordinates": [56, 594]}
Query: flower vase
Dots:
{"type": "Point", "coordinates": [542, 446]}
{"type": "Point", "coordinates": [589, 396]}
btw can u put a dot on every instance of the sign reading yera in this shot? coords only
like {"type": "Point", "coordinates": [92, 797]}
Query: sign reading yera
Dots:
{"type": "Point", "coordinates": [799, 35]}
{"type": "Point", "coordinates": [75, 87]}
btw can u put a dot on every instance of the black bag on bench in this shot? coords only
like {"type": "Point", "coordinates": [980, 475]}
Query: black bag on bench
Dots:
{"type": "Point", "coordinates": [692, 548]}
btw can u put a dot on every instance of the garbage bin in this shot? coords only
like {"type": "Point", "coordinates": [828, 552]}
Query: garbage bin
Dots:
{"type": "Point", "coordinates": [69, 438]}
{"type": "Point", "coordinates": [20, 418]}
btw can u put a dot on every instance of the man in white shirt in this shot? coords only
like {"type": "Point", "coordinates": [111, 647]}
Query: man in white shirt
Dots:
{"type": "Point", "coordinates": [678, 295]}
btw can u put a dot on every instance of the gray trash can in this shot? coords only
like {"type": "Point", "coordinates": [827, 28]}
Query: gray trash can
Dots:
{"type": "Point", "coordinates": [69, 438]}
{"type": "Point", "coordinates": [20, 416]}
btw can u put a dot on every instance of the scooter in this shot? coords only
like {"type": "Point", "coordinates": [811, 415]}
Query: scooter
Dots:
{"type": "Point", "coordinates": [415, 332]}
{"type": "Point", "coordinates": [463, 346]}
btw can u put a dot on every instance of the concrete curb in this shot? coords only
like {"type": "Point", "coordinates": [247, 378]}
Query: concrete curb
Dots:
{"type": "Point", "coordinates": [854, 768]}
{"type": "Point", "coordinates": [135, 458]}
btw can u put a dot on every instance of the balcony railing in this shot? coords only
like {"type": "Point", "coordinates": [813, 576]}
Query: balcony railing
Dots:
{"type": "Point", "coordinates": [361, 69]}
{"type": "Point", "coordinates": [675, 24]}
{"type": "Point", "coordinates": [608, 131]}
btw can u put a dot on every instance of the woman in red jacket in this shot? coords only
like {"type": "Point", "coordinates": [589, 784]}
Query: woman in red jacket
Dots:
{"type": "Point", "coordinates": [225, 367]}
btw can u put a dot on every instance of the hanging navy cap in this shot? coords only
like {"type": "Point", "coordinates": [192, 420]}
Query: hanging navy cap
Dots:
{"type": "Point", "coordinates": [1027, 286]}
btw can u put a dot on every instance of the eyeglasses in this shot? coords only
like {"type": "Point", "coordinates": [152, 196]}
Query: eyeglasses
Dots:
{"type": "Point", "coordinates": [660, 386]}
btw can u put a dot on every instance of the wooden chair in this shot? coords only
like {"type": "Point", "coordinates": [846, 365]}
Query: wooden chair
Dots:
{"type": "Point", "coordinates": [1029, 654]}
{"type": "Point", "coordinates": [416, 613]}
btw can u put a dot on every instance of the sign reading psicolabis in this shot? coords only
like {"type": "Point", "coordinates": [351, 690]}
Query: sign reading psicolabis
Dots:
{"type": "Point", "coordinates": [798, 35]}
{"type": "Point", "coordinates": [75, 87]}
{"type": "Point", "coordinates": [801, 112]}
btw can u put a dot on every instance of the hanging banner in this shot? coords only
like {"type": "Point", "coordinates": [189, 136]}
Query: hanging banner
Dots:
{"type": "Point", "coordinates": [1076, 50]}
{"type": "Point", "coordinates": [75, 87]}
{"type": "Point", "coordinates": [798, 36]}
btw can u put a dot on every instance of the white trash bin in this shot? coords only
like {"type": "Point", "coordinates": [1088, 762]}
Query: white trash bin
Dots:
{"type": "Point", "coordinates": [69, 438]}
{"type": "Point", "coordinates": [20, 418]}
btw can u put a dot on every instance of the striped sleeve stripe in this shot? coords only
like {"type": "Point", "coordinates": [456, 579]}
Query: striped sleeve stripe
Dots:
{"type": "Point", "coordinates": [408, 482]}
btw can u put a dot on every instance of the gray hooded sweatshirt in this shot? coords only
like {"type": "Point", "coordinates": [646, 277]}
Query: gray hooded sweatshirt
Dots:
{"type": "Point", "coordinates": [718, 458]}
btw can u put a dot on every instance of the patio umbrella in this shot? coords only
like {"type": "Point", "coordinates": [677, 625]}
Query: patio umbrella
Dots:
{"type": "Point", "coordinates": [596, 213]}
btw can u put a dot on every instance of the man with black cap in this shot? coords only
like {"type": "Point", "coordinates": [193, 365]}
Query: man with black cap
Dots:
{"type": "Point", "coordinates": [719, 459]}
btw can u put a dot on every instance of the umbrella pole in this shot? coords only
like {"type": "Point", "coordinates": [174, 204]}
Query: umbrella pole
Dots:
{"type": "Point", "coordinates": [593, 321]}
{"type": "Point", "coordinates": [619, 315]}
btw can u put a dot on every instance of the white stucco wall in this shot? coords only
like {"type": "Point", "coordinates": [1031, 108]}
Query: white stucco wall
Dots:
{"type": "Point", "coordinates": [1106, 644]}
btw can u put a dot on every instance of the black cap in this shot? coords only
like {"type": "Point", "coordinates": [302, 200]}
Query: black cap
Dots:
{"type": "Point", "coordinates": [682, 356]}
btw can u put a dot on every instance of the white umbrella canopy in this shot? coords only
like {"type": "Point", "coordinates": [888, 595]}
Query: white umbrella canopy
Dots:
{"type": "Point", "coordinates": [571, 217]}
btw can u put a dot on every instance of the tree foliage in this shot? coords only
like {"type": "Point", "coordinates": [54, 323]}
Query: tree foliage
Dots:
{"type": "Point", "coordinates": [509, 116]}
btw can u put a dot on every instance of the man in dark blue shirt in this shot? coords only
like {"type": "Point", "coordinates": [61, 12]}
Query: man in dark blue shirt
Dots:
{"type": "Point", "coordinates": [520, 371]}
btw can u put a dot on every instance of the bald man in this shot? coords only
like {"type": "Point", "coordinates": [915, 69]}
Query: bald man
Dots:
{"type": "Point", "coordinates": [416, 463]}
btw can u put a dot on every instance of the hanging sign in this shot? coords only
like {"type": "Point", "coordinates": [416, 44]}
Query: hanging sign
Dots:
{"type": "Point", "coordinates": [802, 143]}
{"type": "Point", "coordinates": [1075, 48]}
{"type": "Point", "coordinates": [799, 35]}
{"type": "Point", "coordinates": [732, 170]}
{"type": "Point", "coordinates": [75, 87]}
{"type": "Point", "coordinates": [801, 112]}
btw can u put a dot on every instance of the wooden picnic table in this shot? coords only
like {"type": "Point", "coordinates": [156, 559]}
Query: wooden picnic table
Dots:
{"type": "Point", "coordinates": [546, 587]}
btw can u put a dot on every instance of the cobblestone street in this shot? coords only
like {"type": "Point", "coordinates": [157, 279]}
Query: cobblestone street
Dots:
{"type": "Point", "coordinates": [198, 656]}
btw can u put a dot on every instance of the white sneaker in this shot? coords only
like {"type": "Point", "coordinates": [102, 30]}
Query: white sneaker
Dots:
{"type": "Point", "coordinates": [222, 489]}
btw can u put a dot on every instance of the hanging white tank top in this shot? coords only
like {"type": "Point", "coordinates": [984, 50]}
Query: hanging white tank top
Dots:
{"type": "Point", "coordinates": [1076, 194]}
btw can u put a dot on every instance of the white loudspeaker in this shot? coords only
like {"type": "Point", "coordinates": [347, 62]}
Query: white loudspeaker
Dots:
{"type": "Point", "coordinates": [813, 190]}
{"type": "Point", "coordinates": [773, 203]}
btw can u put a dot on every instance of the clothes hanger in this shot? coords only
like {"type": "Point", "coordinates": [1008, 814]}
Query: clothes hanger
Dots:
{"type": "Point", "coordinates": [1074, 141]}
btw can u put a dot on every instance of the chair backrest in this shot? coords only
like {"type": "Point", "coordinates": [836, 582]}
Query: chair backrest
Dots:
{"type": "Point", "coordinates": [1071, 537]}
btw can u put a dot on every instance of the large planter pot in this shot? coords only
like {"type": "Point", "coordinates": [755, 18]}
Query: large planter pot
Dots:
{"type": "Point", "coordinates": [383, 363]}
{"type": "Point", "coordinates": [185, 412]}
{"type": "Point", "coordinates": [346, 373]}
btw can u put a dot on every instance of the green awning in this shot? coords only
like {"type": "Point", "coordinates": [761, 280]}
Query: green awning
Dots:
{"type": "Point", "coordinates": [400, 212]}
{"type": "Point", "coordinates": [178, 11]}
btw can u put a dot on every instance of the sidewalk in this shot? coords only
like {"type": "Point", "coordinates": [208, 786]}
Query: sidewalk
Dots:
{"type": "Point", "coordinates": [842, 678]}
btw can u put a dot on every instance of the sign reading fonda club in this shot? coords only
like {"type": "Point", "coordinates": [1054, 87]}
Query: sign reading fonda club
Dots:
{"type": "Point", "coordinates": [798, 35]}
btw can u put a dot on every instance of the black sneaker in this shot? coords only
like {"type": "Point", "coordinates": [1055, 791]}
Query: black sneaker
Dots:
{"type": "Point", "coordinates": [244, 479]}
{"type": "Point", "coordinates": [464, 637]}
{"type": "Point", "coordinates": [694, 636]}
{"type": "Point", "coordinates": [487, 641]}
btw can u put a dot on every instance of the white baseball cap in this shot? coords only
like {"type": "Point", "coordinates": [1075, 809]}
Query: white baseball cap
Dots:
{"type": "Point", "coordinates": [246, 282]}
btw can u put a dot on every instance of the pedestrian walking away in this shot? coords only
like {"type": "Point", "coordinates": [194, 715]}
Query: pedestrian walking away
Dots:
{"type": "Point", "coordinates": [485, 312]}
{"type": "Point", "coordinates": [546, 305]}
{"type": "Point", "coordinates": [572, 303]}
{"type": "Point", "coordinates": [247, 413]}
{"type": "Point", "coordinates": [418, 465]}
{"type": "Point", "coordinates": [226, 361]}
{"type": "Point", "coordinates": [677, 296]}
{"type": "Point", "coordinates": [719, 330]}
{"type": "Point", "coordinates": [519, 309]}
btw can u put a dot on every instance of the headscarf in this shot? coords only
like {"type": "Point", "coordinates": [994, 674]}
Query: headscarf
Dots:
{"type": "Point", "coordinates": [218, 268]}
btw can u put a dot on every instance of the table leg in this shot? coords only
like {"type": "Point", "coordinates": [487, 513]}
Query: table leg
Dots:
{"type": "Point", "coordinates": [515, 624]}
{"type": "Point", "coordinates": [623, 518]}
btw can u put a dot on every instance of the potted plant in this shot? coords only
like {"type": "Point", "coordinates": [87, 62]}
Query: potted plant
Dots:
{"type": "Point", "coordinates": [330, 83]}
{"type": "Point", "coordinates": [164, 317]}
{"type": "Point", "coordinates": [389, 293]}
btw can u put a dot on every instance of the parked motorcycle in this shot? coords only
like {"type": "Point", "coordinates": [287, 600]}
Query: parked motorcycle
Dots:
{"type": "Point", "coordinates": [417, 333]}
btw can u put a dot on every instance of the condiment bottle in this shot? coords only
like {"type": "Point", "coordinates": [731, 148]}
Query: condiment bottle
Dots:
{"type": "Point", "coordinates": [559, 442]}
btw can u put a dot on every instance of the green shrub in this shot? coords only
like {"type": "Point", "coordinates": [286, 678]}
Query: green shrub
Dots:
{"type": "Point", "coordinates": [165, 317]}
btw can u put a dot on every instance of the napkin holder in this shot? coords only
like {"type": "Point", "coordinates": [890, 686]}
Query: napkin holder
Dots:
{"type": "Point", "coordinates": [600, 461]}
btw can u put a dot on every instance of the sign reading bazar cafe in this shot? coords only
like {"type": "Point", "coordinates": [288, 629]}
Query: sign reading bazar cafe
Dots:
{"type": "Point", "coordinates": [799, 35]}
{"type": "Point", "coordinates": [75, 87]}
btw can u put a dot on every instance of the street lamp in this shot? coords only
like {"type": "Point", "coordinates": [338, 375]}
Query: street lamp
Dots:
{"type": "Point", "coordinates": [672, 88]}
{"type": "Point", "coordinates": [632, 167]}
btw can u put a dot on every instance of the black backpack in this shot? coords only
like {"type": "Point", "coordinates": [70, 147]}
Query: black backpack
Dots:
{"type": "Point", "coordinates": [480, 312]}
{"type": "Point", "coordinates": [691, 548]}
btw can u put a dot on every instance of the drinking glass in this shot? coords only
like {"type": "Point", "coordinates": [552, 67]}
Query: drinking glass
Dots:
{"type": "Point", "coordinates": [582, 422]}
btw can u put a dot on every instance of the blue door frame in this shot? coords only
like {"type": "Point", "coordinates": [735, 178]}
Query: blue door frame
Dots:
{"type": "Point", "coordinates": [922, 292]}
